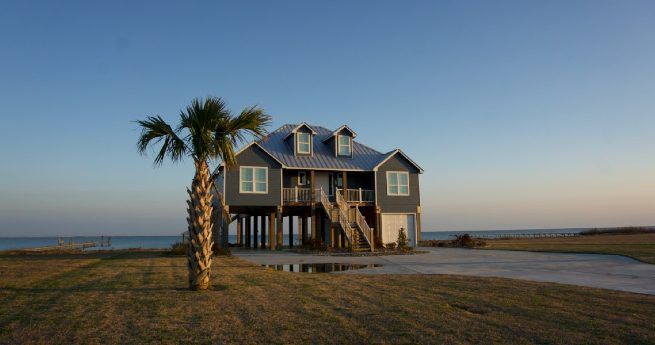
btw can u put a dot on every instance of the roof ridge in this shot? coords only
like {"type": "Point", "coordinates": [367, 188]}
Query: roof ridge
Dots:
{"type": "Point", "coordinates": [294, 125]}
{"type": "Point", "coordinates": [364, 158]}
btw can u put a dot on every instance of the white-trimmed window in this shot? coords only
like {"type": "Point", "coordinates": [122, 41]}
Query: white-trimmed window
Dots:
{"type": "Point", "coordinates": [397, 183]}
{"type": "Point", "coordinates": [344, 145]}
{"type": "Point", "coordinates": [302, 178]}
{"type": "Point", "coordinates": [253, 180]}
{"type": "Point", "coordinates": [304, 143]}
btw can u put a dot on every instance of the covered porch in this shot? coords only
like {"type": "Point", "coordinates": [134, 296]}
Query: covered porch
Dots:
{"type": "Point", "coordinates": [302, 187]}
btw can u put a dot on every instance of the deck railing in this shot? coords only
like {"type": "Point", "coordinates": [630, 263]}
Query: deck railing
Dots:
{"type": "Point", "coordinates": [296, 194]}
{"type": "Point", "coordinates": [359, 195]}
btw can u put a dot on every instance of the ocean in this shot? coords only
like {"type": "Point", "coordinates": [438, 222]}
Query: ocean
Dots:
{"type": "Point", "coordinates": [154, 242]}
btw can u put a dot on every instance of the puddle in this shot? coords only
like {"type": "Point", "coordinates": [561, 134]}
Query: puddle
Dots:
{"type": "Point", "coordinates": [320, 268]}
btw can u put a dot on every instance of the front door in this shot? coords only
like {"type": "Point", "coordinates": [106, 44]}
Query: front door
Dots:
{"type": "Point", "coordinates": [336, 181]}
{"type": "Point", "coordinates": [322, 181]}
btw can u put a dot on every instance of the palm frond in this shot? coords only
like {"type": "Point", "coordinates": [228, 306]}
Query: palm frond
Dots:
{"type": "Point", "coordinates": [252, 120]}
{"type": "Point", "coordinates": [231, 131]}
{"type": "Point", "coordinates": [154, 130]}
{"type": "Point", "coordinates": [200, 119]}
{"type": "Point", "coordinates": [211, 132]}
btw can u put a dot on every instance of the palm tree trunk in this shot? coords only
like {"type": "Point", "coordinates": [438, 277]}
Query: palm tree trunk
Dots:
{"type": "Point", "coordinates": [199, 221]}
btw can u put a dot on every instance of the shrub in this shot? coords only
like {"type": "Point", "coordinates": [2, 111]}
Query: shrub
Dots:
{"type": "Point", "coordinates": [390, 246]}
{"type": "Point", "coordinates": [619, 231]}
{"type": "Point", "coordinates": [428, 243]}
{"type": "Point", "coordinates": [402, 239]}
{"type": "Point", "coordinates": [378, 242]}
{"type": "Point", "coordinates": [464, 241]}
{"type": "Point", "coordinates": [316, 244]}
{"type": "Point", "coordinates": [178, 248]}
{"type": "Point", "coordinates": [218, 251]}
{"type": "Point", "coordinates": [467, 241]}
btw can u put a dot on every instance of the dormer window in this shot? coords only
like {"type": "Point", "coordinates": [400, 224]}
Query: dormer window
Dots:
{"type": "Point", "coordinates": [344, 145]}
{"type": "Point", "coordinates": [302, 136]}
{"type": "Point", "coordinates": [342, 141]}
{"type": "Point", "coordinates": [304, 143]}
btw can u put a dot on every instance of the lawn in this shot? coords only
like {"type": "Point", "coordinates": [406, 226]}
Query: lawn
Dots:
{"type": "Point", "coordinates": [638, 246]}
{"type": "Point", "coordinates": [141, 298]}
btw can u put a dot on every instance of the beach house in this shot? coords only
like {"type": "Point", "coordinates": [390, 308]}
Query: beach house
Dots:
{"type": "Point", "coordinates": [334, 190]}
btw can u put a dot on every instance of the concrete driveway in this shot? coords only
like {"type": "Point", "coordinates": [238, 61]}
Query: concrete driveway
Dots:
{"type": "Point", "coordinates": [601, 271]}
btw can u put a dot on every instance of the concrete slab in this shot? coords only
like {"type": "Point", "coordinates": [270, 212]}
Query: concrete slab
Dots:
{"type": "Point", "coordinates": [594, 270]}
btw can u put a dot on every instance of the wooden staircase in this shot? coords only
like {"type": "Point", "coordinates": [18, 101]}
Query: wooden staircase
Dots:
{"type": "Point", "coordinates": [355, 229]}
{"type": "Point", "coordinates": [221, 219]}
{"type": "Point", "coordinates": [360, 241]}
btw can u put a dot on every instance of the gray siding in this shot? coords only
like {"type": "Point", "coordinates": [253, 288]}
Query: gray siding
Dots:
{"type": "Point", "coordinates": [254, 156]}
{"type": "Point", "coordinates": [400, 204]}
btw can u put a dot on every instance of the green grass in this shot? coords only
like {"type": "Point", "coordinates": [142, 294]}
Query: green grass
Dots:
{"type": "Point", "coordinates": [637, 246]}
{"type": "Point", "coordinates": [141, 298]}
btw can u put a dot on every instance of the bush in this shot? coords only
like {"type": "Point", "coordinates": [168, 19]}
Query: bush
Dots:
{"type": "Point", "coordinates": [467, 241]}
{"type": "Point", "coordinates": [390, 246]}
{"type": "Point", "coordinates": [316, 244]}
{"type": "Point", "coordinates": [428, 243]}
{"type": "Point", "coordinates": [218, 251]}
{"type": "Point", "coordinates": [619, 231]}
{"type": "Point", "coordinates": [402, 239]}
{"type": "Point", "coordinates": [378, 242]}
{"type": "Point", "coordinates": [464, 241]}
{"type": "Point", "coordinates": [178, 248]}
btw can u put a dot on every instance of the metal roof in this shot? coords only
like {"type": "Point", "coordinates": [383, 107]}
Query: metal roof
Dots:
{"type": "Point", "coordinates": [394, 152]}
{"type": "Point", "coordinates": [363, 157]}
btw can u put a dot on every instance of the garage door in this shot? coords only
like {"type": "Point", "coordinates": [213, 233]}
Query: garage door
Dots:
{"type": "Point", "coordinates": [391, 223]}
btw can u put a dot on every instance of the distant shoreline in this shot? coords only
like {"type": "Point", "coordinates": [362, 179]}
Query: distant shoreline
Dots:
{"type": "Point", "coordinates": [576, 229]}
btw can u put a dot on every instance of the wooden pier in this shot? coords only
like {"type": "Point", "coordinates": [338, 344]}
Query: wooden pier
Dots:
{"type": "Point", "coordinates": [528, 235]}
{"type": "Point", "coordinates": [70, 244]}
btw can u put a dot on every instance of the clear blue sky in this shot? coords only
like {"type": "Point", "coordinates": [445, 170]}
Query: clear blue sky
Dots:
{"type": "Point", "coordinates": [524, 114]}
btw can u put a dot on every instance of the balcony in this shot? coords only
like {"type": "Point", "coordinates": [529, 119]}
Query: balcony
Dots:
{"type": "Point", "coordinates": [303, 196]}
{"type": "Point", "coordinates": [359, 195]}
{"type": "Point", "coordinates": [296, 195]}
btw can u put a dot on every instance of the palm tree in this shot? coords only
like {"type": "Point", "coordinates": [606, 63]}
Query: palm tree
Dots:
{"type": "Point", "coordinates": [207, 132]}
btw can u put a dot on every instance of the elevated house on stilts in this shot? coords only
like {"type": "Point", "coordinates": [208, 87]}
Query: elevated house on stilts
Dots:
{"type": "Point", "coordinates": [334, 190]}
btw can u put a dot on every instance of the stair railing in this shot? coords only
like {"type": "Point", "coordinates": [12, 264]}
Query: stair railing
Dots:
{"type": "Point", "coordinates": [325, 201]}
{"type": "Point", "coordinates": [341, 202]}
{"type": "Point", "coordinates": [357, 217]}
{"type": "Point", "coordinates": [219, 196]}
{"type": "Point", "coordinates": [366, 230]}
{"type": "Point", "coordinates": [343, 218]}
{"type": "Point", "coordinates": [222, 221]}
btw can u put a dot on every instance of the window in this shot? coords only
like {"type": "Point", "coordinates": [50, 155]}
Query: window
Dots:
{"type": "Point", "coordinates": [254, 180]}
{"type": "Point", "coordinates": [344, 143]}
{"type": "Point", "coordinates": [304, 143]}
{"type": "Point", "coordinates": [397, 183]}
{"type": "Point", "coordinates": [302, 178]}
